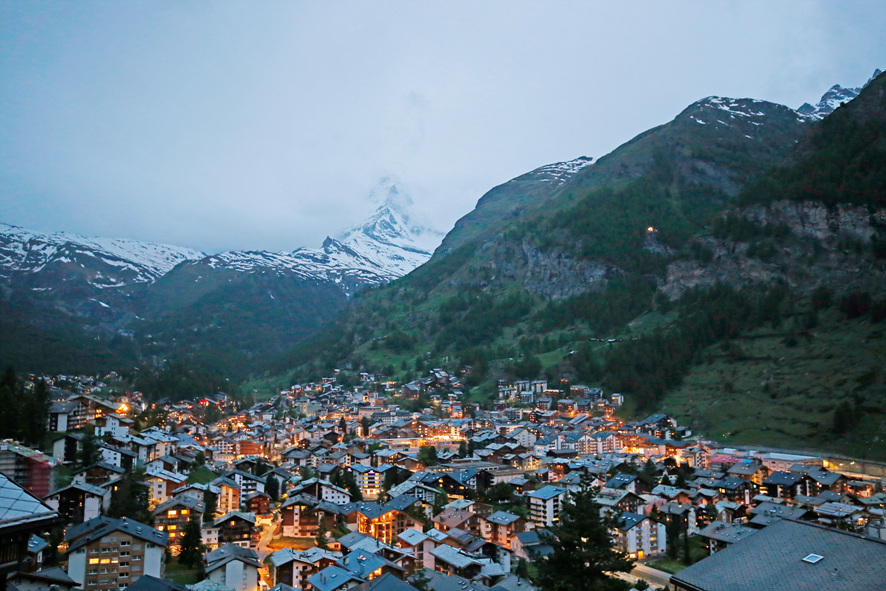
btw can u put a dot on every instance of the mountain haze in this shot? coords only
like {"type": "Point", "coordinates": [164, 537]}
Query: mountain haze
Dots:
{"type": "Point", "coordinates": [691, 236]}
{"type": "Point", "coordinates": [142, 301]}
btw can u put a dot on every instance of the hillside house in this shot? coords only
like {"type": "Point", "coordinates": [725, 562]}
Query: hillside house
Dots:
{"type": "Point", "coordinates": [234, 567]}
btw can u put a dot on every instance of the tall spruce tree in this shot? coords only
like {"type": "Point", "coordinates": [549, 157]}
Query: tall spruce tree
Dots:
{"type": "Point", "coordinates": [89, 452]}
{"type": "Point", "coordinates": [272, 487]}
{"type": "Point", "coordinates": [210, 500]}
{"type": "Point", "coordinates": [130, 498]}
{"type": "Point", "coordinates": [583, 553]}
{"type": "Point", "coordinates": [9, 397]}
{"type": "Point", "coordinates": [321, 540]}
{"type": "Point", "coordinates": [191, 545]}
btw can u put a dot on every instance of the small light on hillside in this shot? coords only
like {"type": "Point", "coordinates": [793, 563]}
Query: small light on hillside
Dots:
{"type": "Point", "coordinates": [650, 229]}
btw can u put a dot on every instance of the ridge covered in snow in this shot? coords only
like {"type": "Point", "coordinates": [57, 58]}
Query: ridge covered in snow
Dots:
{"type": "Point", "coordinates": [385, 246]}
{"type": "Point", "coordinates": [835, 96]}
{"type": "Point", "coordinates": [124, 261]}
{"type": "Point", "coordinates": [560, 172]}
{"type": "Point", "coordinates": [723, 110]}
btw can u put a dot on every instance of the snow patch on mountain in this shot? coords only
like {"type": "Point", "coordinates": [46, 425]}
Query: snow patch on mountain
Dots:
{"type": "Point", "coordinates": [835, 96]}
{"type": "Point", "coordinates": [388, 244]}
{"type": "Point", "coordinates": [392, 224]}
{"type": "Point", "coordinates": [725, 111]}
{"type": "Point", "coordinates": [28, 252]}
{"type": "Point", "coordinates": [561, 172]}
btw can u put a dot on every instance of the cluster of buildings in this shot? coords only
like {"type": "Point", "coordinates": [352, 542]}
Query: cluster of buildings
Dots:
{"type": "Point", "coordinates": [323, 488]}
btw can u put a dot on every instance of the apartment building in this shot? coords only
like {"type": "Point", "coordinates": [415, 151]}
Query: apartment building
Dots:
{"type": "Point", "coordinates": [639, 536]}
{"type": "Point", "coordinates": [173, 517]}
{"type": "Point", "coordinates": [544, 505]}
{"type": "Point", "coordinates": [106, 554]}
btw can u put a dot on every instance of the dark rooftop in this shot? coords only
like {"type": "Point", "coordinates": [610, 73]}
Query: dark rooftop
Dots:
{"type": "Point", "coordinates": [774, 559]}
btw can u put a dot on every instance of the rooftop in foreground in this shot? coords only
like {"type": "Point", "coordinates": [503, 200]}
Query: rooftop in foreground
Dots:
{"type": "Point", "coordinates": [791, 556]}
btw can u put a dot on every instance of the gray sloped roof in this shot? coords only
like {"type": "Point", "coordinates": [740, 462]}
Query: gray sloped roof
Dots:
{"type": "Point", "coordinates": [150, 583]}
{"type": "Point", "coordinates": [99, 527]}
{"type": "Point", "coordinates": [386, 582]}
{"type": "Point", "coordinates": [248, 517]}
{"type": "Point", "coordinates": [83, 487]}
{"type": "Point", "coordinates": [331, 578]}
{"type": "Point", "coordinates": [452, 556]}
{"type": "Point", "coordinates": [228, 552]}
{"type": "Point", "coordinates": [726, 532]}
{"type": "Point", "coordinates": [774, 558]}
{"type": "Point", "coordinates": [54, 575]}
{"type": "Point", "coordinates": [503, 518]}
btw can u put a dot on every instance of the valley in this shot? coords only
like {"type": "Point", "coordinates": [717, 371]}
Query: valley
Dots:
{"type": "Point", "coordinates": [614, 272]}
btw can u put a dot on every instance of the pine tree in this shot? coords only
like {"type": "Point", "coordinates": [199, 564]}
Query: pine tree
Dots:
{"type": "Point", "coordinates": [191, 545]}
{"type": "Point", "coordinates": [522, 569]}
{"type": "Point", "coordinates": [89, 453]}
{"type": "Point", "coordinates": [9, 419]}
{"type": "Point", "coordinates": [687, 550]}
{"type": "Point", "coordinates": [210, 500]}
{"type": "Point", "coordinates": [427, 455]}
{"type": "Point", "coordinates": [583, 552]}
{"type": "Point", "coordinates": [320, 540]}
{"type": "Point", "coordinates": [35, 414]}
{"type": "Point", "coordinates": [420, 580]}
{"type": "Point", "coordinates": [672, 529]}
{"type": "Point", "coordinates": [130, 499]}
{"type": "Point", "coordinates": [364, 427]}
{"type": "Point", "coordinates": [272, 487]}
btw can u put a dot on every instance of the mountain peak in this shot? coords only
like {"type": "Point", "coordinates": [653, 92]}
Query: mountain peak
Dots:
{"type": "Point", "coordinates": [121, 261]}
{"type": "Point", "coordinates": [390, 192]}
{"type": "Point", "coordinates": [392, 224]}
{"type": "Point", "coordinates": [835, 96]}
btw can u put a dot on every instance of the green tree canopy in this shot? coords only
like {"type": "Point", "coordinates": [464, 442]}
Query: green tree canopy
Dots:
{"type": "Point", "coordinates": [130, 499]}
{"type": "Point", "coordinates": [427, 455]}
{"type": "Point", "coordinates": [191, 545]}
{"type": "Point", "coordinates": [583, 553]}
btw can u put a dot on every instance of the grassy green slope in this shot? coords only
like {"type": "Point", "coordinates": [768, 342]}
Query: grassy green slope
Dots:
{"type": "Point", "coordinates": [767, 389]}
{"type": "Point", "coordinates": [676, 175]}
{"type": "Point", "coordinates": [484, 299]}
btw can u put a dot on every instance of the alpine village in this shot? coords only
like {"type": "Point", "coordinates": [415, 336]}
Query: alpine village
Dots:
{"type": "Point", "coordinates": [660, 369]}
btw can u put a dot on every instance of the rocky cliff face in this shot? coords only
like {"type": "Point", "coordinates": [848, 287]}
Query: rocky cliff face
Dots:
{"type": "Point", "coordinates": [828, 225]}
{"type": "Point", "coordinates": [825, 246]}
{"type": "Point", "coordinates": [551, 274]}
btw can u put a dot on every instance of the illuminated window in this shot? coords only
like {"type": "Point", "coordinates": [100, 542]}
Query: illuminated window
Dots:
{"type": "Point", "coordinates": [106, 561]}
{"type": "Point", "coordinates": [185, 511]}
{"type": "Point", "coordinates": [172, 528]}
{"type": "Point", "coordinates": [93, 561]}
{"type": "Point", "coordinates": [172, 513]}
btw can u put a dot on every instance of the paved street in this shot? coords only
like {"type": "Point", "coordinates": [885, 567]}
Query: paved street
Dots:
{"type": "Point", "coordinates": [656, 578]}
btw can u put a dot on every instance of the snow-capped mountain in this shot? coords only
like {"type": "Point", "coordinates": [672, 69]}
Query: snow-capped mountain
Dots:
{"type": "Point", "coordinates": [142, 299]}
{"type": "Point", "coordinates": [382, 248]}
{"type": "Point", "coordinates": [391, 237]}
{"type": "Point", "coordinates": [385, 246]}
{"type": "Point", "coordinates": [101, 262]}
{"type": "Point", "coordinates": [833, 98]}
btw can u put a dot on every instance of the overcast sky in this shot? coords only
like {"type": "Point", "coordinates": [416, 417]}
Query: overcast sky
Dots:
{"type": "Point", "coordinates": [247, 125]}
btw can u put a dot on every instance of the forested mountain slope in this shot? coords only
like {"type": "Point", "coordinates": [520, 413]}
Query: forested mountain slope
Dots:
{"type": "Point", "coordinates": [689, 236]}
